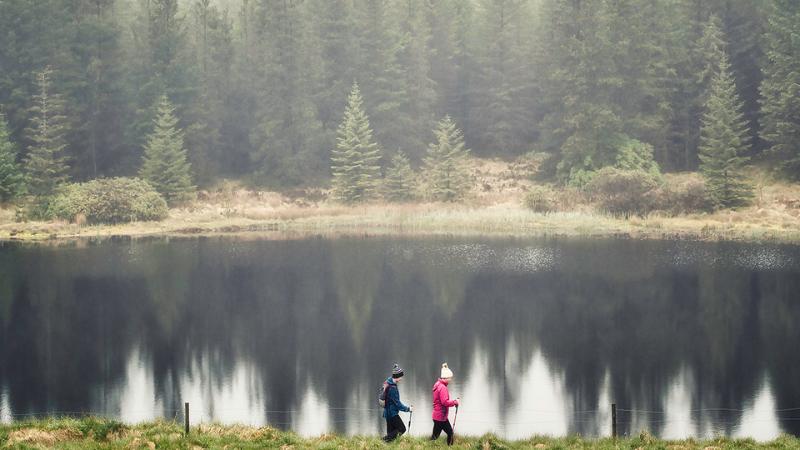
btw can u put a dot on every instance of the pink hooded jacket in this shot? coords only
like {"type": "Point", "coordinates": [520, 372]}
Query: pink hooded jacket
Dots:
{"type": "Point", "coordinates": [441, 400]}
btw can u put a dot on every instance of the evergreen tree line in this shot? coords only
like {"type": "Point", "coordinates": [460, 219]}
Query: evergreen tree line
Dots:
{"type": "Point", "coordinates": [355, 162]}
{"type": "Point", "coordinates": [258, 88]}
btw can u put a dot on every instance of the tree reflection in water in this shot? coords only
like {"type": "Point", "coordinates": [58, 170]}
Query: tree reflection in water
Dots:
{"type": "Point", "coordinates": [687, 338]}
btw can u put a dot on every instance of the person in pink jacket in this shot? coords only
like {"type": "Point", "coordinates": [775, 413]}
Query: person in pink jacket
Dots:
{"type": "Point", "coordinates": [441, 403]}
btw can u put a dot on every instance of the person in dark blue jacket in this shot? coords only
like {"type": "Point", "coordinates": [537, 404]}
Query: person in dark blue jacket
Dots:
{"type": "Point", "coordinates": [391, 412]}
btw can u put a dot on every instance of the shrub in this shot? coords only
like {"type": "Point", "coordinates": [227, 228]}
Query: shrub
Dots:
{"type": "Point", "coordinates": [34, 208]}
{"type": "Point", "coordinates": [683, 194]}
{"type": "Point", "coordinates": [580, 178]}
{"type": "Point", "coordinates": [540, 199]}
{"type": "Point", "coordinates": [633, 154]}
{"type": "Point", "coordinates": [623, 192]}
{"type": "Point", "coordinates": [109, 200]}
{"type": "Point", "coordinates": [529, 165]}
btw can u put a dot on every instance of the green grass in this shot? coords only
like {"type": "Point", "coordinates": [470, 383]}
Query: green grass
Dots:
{"type": "Point", "coordinates": [96, 433]}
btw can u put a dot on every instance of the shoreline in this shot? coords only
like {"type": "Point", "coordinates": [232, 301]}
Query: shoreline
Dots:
{"type": "Point", "coordinates": [95, 432]}
{"type": "Point", "coordinates": [493, 207]}
{"type": "Point", "coordinates": [417, 220]}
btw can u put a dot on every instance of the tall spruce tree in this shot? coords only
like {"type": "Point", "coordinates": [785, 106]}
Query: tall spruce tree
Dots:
{"type": "Point", "coordinates": [380, 74]}
{"type": "Point", "coordinates": [289, 142]}
{"type": "Point", "coordinates": [694, 58]}
{"type": "Point", "coordinates": [240, 104]}
{"type": "Point", "coordinates": [12, 180]}
{"type": "Point", "coordinates": [207, 135]}
{"type": "Point", "coordinates": [724, 142]}
{"type": "Point", "coordinates": [414, 56]}
{"type": "Point", "coordinates": [399, 183]}
{"type": "Point", "coordinates": [165, 165]}
{"type": "Point", "coordinates": [506, 76]}
{"type": "Point", "coordinates": [780, 90]}
{"type": "Point", "coordinates": [745, 26]}
{"type": "Point", "coordinates": [32, 35]}
{"type": "Point", "coordinates": [161, 65]}
{"type": "Point", "coordinates": [93, 71]}
{"type": "Point", "coordinates": [685, 39]}
{"type": "Point", "coordinates": [46, 165]}
{"type": "Point", "coordinates": [457, 95]}
{"type": "Point", "coordinates": [637, 84]}
{"type": "Point", "coordinates": [355, 159]}
{"type": "Point", "coordinates": [580, 123]}
{"type": "Point", "coordinates": [445, 166]}
{"type": "Point", "coordinates": [335, 37]}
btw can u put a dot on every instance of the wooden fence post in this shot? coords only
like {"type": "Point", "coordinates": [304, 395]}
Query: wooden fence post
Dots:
{"type": "Point", "coordinates": [614, 420]}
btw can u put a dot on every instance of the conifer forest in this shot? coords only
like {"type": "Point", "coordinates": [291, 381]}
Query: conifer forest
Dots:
{"type": "Point", "coordinates": [262, 90]}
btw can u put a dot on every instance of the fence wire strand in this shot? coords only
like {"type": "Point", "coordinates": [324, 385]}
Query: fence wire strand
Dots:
{"type": "Point", "coordinates": [600, 417]}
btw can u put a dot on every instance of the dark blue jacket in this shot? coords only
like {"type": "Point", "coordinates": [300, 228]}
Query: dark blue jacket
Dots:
{"type": "Point", "coordinates": [393, 403]}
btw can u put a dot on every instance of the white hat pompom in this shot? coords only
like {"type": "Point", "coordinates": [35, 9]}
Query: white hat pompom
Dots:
{"type": "Point", "coordinates": [446, 372]}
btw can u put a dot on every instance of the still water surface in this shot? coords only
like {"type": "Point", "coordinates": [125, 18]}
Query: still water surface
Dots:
{"type": "Point", "coordinates": [687, 338]}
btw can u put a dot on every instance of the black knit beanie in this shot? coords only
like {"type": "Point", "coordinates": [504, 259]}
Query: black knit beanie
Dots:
{"type": "Point", "coordinates": [397, 371]}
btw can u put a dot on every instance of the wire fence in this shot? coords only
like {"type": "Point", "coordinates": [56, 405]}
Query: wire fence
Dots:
{"type": "Point", "coordinates": [613, 418]}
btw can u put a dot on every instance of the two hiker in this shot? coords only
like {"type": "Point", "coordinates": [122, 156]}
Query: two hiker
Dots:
{"type": "Point", "coordinates": [390, 399]}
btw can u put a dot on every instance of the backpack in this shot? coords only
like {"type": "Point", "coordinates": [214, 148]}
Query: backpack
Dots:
{"type": "Point", "coordinates": [383, 397]}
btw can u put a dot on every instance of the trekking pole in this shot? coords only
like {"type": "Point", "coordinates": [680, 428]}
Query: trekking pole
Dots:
{"type": "Point", "coordinates": [410, 415]}
{"type": "Point", "coordinates": [454, 423]}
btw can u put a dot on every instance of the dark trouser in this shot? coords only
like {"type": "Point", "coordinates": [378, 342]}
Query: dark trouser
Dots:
{"type": "Point", "coordinates": [394, 427]}
{"type": "Point", "coordinates": [438, 427]}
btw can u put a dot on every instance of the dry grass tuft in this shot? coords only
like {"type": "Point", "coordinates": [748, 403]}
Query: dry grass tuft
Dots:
{"type": "Point", "coordinates": [240, 431]}
{"type": "Point", "coordinates": [34, 436]}
{"type": "Point", "coordinates": [139, 443]}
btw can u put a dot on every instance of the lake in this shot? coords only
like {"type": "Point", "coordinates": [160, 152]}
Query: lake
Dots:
{"type": "Point", "coordinates": [543, 335]}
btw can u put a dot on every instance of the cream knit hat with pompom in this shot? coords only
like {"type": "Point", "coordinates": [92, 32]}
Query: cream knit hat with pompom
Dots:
{"type": "Point", "coordinates": [446, 372]}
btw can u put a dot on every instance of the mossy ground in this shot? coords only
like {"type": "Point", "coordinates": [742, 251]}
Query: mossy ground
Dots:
{"type": "Point", "coordinates": [96, 433]}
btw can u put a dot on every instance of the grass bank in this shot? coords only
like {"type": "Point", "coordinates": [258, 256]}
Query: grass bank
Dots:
{"type": "Point", "coordinates": [504, 219]}
{"type": "Point", "coordinates": [494, 207]}
{"type": "Point", "coordinates": [93, 433]}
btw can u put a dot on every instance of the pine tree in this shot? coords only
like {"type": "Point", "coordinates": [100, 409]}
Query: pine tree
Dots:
{"type": "Point", "coordinates": [637, 84]}
{"type": "Point", "coordinates": [335, 37]}
{"type": "Point", "coordinates": [506, 77]}
{"type": "Point", "coordinates": [45, 165]}
{"type": "Point", "coordinates": [241, 106]}
{"type": "Point", "coordinates": [724, 141]}
{"type": "Point", "coordinates": [399, 184]}
{"type": "Point", "coordinates": [355, 159]}
{"type": "Point", "coordinates": [32, 35]}
{"type": "Point", "coordinates": [580, 123]}
{"type": "Point", "coordinates": [165, 165]}
{"type": "Point", "coordinates": [290, 144]}
{"type": "Point", "coordinates": [12, 180]}
{"type": "Point", "coordinates": [207, 134]}
{"type": "Point", "coordinates": [93, 70]}
{"type": "Point", "coordinates": [381, 77]}
{"type": "Point", "coordinates": [745, 26]}
{"type": "Point", "coordinates": [414, 58]}
{"type": "Point", "coordinates": [458, 101]}
{"type": "Point", "coordinates": [161, 65]}
{"type": "Point", "coordinates": [711, 48]}
{"type": "Point", "coordinates": [780, 90]}
{"type": "Point", "coordinates": [445, 166]}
